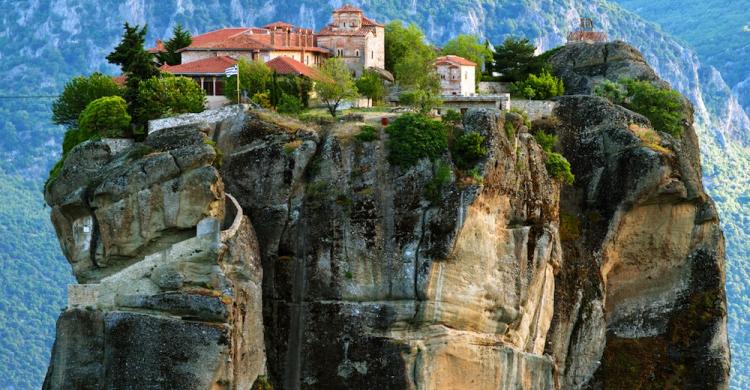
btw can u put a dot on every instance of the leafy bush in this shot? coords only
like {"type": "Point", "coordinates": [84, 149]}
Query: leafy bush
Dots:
{"type": "Point", "coordinates": [262, 99]}
{"type": "Point", "coordinates": [105, 117]}
{"type": "Point", "coordinates": [166, 96]}
{"type": "Point", "coordinates": [664, 107]}
{"type": "Point", "coordinates": [559, 168]}
{"type": "Point", "coordinates": [413, 137]}
{"type": "Point", "coordinates": [468, 150]}
{"type": "Point", "coordinates": [368, 134]}
{"type": "Point", "coordinates": [440, 179]}
{"type": "Point", "coordinates": [289, 105]}
{"type": "Point", "coordinates": [255, 78]}
{"type": "Point", "coordinates": [546, 141]}
{"type": "Point", "coordinates": [452, 118]}
{"type": "Point", "coordinates": [422, 101]}
{"type": "Point", "coordinates": [541, 87]}
{"type": "Point", "coordinates": [78, 93]}
{"type": "Point", "coordinates": [612, 91]}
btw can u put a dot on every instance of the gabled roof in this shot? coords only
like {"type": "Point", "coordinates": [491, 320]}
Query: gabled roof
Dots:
{"type": "Point", "coordinates": [367, 22]}
{"type": "Point", "coordinates": [213, 65]}
{"type": "Point", "coordinates": [216, 35]}
{"type": "Point", "coordinates": [287, 65]}
{"type": "Point", "coordinates": [454, 60]}
{"type": "Point", "coordinates": [347, 8]}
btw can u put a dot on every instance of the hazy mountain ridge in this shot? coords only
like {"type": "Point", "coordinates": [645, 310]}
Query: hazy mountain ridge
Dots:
{"type": "Point", "coordinates": [43, 44]}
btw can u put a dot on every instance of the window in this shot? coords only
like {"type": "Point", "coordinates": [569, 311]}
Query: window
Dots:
{"type": "Point", "coordinates": [372, 54]}
{"type": "Point", "coordinates": [466, 75]}
{"type": "Point", "coordinates": [339, 52]}
{"type": "Point", "coordinates": [356, 53]}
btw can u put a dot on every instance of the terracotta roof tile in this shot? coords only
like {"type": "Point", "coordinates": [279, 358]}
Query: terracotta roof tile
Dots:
{"type": "Point", "coordinates": [217, 35]}
{"type": "Point", "coordinates": [451, 59]}
{"type": "Point", "coordinates": [347, 8]}
{"type": "Point", "coordinates": [213, 65]}
{"type": "Point", "coordinates": [287, 65]}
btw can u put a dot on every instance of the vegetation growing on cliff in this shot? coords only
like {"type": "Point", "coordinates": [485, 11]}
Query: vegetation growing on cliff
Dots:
{"type": "Point", "coordinates": [664, 107]}
{"type": "Point", "coordinates": [413, 137]}
{"type": "Point", "coordinates": [168, 96]}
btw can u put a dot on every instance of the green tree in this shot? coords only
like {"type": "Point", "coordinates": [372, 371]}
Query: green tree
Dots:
{"type": "Point", "coordinates": [469, 47]}
{"type": "Point", "coordinates": [78, 93]}
{"type": "Point", "coordinates": [167, 96]}
{"type": "Point", "coordinates": [181, 39]}
{"type": "Point", "coordinates": [540, 87]}
{"type": "Point", "coordinates": [402, 41]}
{"type": "Point", "coordinates": [105, 117]}
{"type": "Point", "coordinates": [514, 60]}
{"type": "Point", "coordinates": [664, 107]}
{"type": "Point", "coordinates": [467, 150]}
{"type": "Point", "coordinates": [371, 86]}
{"type": "Point", "coordinates": [337, 85]}
{"type": "Point", "coordinates": [420, 100]}
{"type": "Point", "coordinates": [136, 63]}
{"type": "Point", "coordinates": [255, 78]}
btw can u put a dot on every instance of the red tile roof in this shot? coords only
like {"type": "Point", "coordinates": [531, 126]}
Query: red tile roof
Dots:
{"type": "Point", "coordinates": [456, 60]}
{"type": "Point", "coordinates": [287, 65]}
{"type": "Point", "coordinates": [347, 8]}
{"type": "Point", "coordinates": [255, 39]}
{"type": "Point", "coordinates": [213, 65]}
{"type": "Point", "coordinates": [370, 23]}
{"type": "Point", "coordinates": [216, 35]}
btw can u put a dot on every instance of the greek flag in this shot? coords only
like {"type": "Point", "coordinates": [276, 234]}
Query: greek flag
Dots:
{"type": "Point", "coordinates": [233, 71]}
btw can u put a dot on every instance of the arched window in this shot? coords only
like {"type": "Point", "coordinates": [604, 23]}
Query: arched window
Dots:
{"type": "Point", "coordinates": [356, 53]}
{"type": "Point", "coordinates": [340, 52]}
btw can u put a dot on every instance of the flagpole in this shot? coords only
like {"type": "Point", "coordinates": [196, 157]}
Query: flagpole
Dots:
{"type": "Point", "coordinates": [238, 84]}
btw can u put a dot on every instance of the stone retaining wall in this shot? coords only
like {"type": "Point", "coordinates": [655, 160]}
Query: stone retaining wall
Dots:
{"type": "Point", "coordinates": [536, 109]}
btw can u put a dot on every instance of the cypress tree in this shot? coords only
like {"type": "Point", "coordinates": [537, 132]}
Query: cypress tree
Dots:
{"type": "Point", "coordinates": [181, 38]}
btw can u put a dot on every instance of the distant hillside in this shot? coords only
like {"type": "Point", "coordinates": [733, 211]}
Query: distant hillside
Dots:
{"type": "Point", "coordinates": [718, 30]}
{"type": "Point", "coordinates": [44, 43]}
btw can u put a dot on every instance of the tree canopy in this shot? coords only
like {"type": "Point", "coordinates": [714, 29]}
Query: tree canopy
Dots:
{"type": "Point", "coordinates": [371, 86]}
{"type": "Point", "coordinates": [166, 96]}
{"type": "Point", "coordinates": [78, 93]}
{"type": "Point", "coordinates": [255, 78]}
{"type": "Point", "coordinates": [136, 63]}
{"type": "Point", "coordinates": [404, 41]}
{"type": "Point", "coordinates": [514, 60]}
{"type": "Point", "coordinates": [181, 38]}
{"type": "Point", "coordinates": [105, 117]}
{"type": "Point", "coordinates": [337, 86]}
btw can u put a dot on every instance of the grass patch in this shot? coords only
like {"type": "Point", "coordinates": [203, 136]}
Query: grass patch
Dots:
{"type": "Point", "coordinates": [219, 161]}
{"type": "Point", "coordinates": [649, 138]}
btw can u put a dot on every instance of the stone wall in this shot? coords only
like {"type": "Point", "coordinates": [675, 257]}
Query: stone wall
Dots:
{"type": "Point", "coordinates": [536, 109]}
{"type": "Point", "coordinates": [493, 87]}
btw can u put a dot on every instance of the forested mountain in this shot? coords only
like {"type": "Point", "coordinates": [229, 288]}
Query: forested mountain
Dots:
{"type": "Point", "coordinates": [44, 43]}
{"type": "Point", "coordinates": [718, 30]}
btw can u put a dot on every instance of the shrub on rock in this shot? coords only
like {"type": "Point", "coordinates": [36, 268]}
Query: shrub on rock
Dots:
{"type": "Point", "coordinates": [105, 117]}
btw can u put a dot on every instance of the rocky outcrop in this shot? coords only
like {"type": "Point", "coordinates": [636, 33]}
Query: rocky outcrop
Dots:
{"type": "Point", "coordinates": [171, 300]}
{"type": "Point", "coordinates": [640, 299]}
{"type": "Point", "coordinates": [370, 283]}
{"type": "Point", "coordinates": [369, 275]}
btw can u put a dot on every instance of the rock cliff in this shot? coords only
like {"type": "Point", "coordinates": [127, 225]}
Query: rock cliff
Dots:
{"type": "Point", "coordinates": [336, 269]}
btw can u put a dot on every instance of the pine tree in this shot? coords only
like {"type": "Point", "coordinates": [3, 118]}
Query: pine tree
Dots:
{"type": "Point", "coordinates": [181, 39]}
{"type": "Point", "coordinates": [136, 63]}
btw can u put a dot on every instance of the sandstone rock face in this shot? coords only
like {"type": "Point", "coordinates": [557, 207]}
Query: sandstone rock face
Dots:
{"type": "Point", "coordinates": [172, 300]}
{"type": "Point", "coordinates": [370, 283]}
{"type": "Point", "coordinates": [334, 269]}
